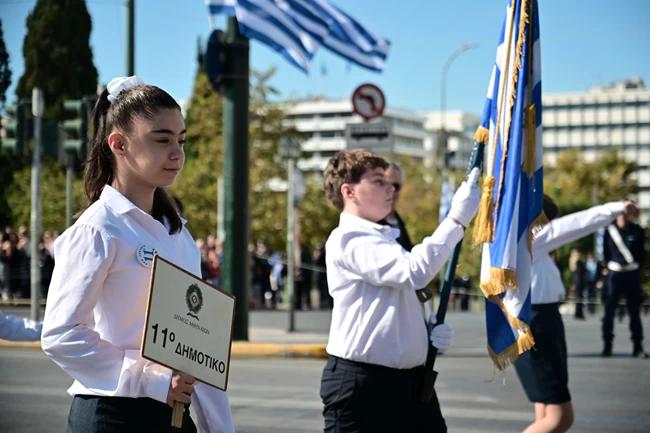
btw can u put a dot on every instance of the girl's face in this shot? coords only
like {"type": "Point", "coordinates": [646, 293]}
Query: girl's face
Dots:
{"type": "Point", "coordinates": [152, 152]}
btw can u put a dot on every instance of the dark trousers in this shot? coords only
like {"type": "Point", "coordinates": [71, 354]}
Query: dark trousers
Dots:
{"type": "Point", "coordinates": [625, 284]}
{"type": "Point", "coordinates": [93, 414]}
{"type": "Point", "coordinates": [366, 398]}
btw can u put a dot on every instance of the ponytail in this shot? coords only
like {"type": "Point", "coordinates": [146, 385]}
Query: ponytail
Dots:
{"type": "Point", "coordinates": [100, 165]}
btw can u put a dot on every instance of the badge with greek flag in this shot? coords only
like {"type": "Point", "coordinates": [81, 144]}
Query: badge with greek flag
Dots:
{"type": "Point", "coordinates": [511, 204]}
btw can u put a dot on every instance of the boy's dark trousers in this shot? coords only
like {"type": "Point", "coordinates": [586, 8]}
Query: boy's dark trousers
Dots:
{"type": "Point", "coordinates": [367, 398]}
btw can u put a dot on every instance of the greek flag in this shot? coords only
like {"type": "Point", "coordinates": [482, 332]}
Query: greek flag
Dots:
{"type": "Point", "coordinates": [270, 24]}
{"type": "Point", "coordinates": [346, 36]}
{"type": "Point", "coordinates": [296, 28]}
{"type": "Point", "coordinates": [511, 204]}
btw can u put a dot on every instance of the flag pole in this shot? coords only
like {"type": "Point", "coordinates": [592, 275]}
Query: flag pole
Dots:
{"type": "Point", "coordinates": [430, 375]}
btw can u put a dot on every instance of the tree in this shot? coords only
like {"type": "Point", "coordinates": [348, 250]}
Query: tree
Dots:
{"type": "Point", "coordinates": [58, 58]}
{"type": "Point", "coordinates": [19, 192]}
{"type": "Point", "coordinates": [5, 73]}
{"type": "Point", "coordinates": [7, 162]}
{"type": "Point", "coordinates": [197, 186]}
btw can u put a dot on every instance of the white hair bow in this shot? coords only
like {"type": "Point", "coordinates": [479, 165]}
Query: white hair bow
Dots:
{"type": "Point", "coordinates": [119, 84]}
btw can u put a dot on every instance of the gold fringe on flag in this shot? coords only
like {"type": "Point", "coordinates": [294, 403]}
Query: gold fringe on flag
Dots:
{"type": "Point", "coordinates": [500, 280]}
{"type": "Point", "coordinates": [482, 135]}
{"type": "Point", "coordinates": [534, 228]}
{"type": "Point", "coordinates": [484, 225]}
{"type": "Point", "coordinates": [530, 116]}
{"type": "Point", "coordinates": [524, 342]}
{"type": "Point", "coordinates": [530, 125]}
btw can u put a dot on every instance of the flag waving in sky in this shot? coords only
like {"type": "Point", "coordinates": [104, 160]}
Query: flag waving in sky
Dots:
{"type": "Point", "coordinates": [296, 28]}
{"type": "Point", "coordinates": [511, 204]}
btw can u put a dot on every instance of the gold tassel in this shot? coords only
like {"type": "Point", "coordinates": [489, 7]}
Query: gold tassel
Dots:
{"type": "Point", "coordinates": [484, 227]}
{"type": "Point", "coordinates": [499, 281]}
{"type": "Point", "coordinates": [482, 135]}
{"type": "Point", "coordinates": [531, 142]}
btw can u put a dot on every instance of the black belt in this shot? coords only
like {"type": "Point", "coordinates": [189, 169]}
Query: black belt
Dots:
{"type": "Point", "coordinates": [362, 367]}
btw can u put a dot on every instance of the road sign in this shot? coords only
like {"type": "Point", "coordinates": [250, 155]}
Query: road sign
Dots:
{"type": "Point", "coordinates": [189, 324]}
{"type": "Point", "coordinates": [368, 101]}
{"type": "Point", "coordinates": [376, 137]}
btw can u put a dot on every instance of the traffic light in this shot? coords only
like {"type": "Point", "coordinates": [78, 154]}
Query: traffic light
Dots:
{"type": "Point", "coordinates": [14, 127]}
{"type": "Point", "coordinates": [216, 59]}
{"type": "Point", "coordinates": [75, 128]}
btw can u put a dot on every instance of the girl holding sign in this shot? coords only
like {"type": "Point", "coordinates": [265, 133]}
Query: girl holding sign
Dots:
{"type": "Point", "coordinates": [98, 295]}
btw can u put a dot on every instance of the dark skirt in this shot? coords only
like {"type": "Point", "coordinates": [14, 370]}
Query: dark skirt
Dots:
{"type": "Point", "coordinates": [93, 414]}
{"type": "Point", "coordinates": [543, 370]}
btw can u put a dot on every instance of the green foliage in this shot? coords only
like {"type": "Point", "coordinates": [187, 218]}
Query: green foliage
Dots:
{"type": "Point", "coordinates": [5, 73]}
{"type": "Point", "coordinates": [18, 196]}
{"type": "Point", "coordinates": [57, 53]}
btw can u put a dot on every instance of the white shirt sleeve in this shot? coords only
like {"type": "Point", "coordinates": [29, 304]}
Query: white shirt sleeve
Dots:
{"type": "Point", "coordinates": [383, 263]}
{"type": "Point", "coordinates": [212, 409]}
{"type": "Point", "coordinates": [569, 228]}
{"type": "Point", "coordinates": [84, 258]}
{"type": "Point", "coordinates": [14, 329]}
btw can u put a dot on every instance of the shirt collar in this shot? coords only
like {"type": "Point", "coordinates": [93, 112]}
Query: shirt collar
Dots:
{"type": "Point", "coordinates": [348, 220]}
{"type": "Point", "coordinates": [114, 199]}
{"type": "Point", "coordinates": [117, 201]}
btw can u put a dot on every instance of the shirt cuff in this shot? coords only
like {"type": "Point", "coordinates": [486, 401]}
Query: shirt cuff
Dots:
{"type": "Point", "coordinates": [615, 207]}
{"type": "Point", "coordinates": [449, 233]}
{"type": "Point", "coordinates": [156, 381]}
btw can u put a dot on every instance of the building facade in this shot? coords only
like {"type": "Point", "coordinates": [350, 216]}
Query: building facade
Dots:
{"type": "Point", "coordinates": [592, 122]}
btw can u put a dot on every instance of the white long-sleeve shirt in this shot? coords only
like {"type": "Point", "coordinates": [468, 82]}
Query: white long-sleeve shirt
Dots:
{"type": "Point", "coordinates": [97, 301]}
{"type": "Point", "coordinates": [546, 283]}
{"type": "Point", "coordinates": [377, 317]}
{"type": "Point", "coordinates": [14, 329]}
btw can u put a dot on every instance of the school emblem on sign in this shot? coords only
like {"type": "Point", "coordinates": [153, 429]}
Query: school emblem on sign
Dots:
{"type": "Point", "coordinates": [194, 300]}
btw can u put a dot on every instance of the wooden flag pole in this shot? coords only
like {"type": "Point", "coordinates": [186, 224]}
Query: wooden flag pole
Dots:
{"type": "Point", "coordinates": [177, 414]}
{"type": "Point", "coordinates": [430, 375]}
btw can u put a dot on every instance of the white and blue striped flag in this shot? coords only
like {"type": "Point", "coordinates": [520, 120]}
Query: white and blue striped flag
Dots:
{"type": "Point", "coordinates": [266, 22]}
{"type": "Point", "coordinates": [296, 28]}
{"type": "Point", "coordinates": [511, 207]}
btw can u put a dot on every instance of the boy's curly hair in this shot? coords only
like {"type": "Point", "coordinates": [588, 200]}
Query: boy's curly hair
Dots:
{"type": "Point", "coordinates": [348, 166]}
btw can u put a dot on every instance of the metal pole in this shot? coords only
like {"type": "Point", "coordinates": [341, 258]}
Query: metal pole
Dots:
{"type": "Point", "coordinates": [235, 176]}
{"type": "Point", "coordinates": [221, 233]}
{"type": "Point", "coordinates": [291, 292]}
{"type": "Point", "coordinates": [69, 176]}
{"type": "Point", "coordinates": [442, 143]}
{"type": "Point", "coordinates": [37, 110]}
{"type": "Point", "coordinates": [130, 38]}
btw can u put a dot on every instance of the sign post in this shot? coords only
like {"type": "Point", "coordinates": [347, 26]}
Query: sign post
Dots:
{"type": "Point", "coordinates": [369, 102]}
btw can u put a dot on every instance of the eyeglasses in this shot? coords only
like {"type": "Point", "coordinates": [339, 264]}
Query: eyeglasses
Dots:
{"type": "Point", "coordinates": [397, 186]}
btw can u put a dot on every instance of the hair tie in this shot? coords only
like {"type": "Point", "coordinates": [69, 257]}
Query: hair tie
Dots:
{"type": "Point", "coordinates": [120, 84]}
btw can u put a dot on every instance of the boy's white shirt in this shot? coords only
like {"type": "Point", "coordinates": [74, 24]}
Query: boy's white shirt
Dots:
{"type": "Point", "coordinates": [377, 317]}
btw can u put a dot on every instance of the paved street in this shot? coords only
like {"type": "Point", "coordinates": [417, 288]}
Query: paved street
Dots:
{"type": "Point", "coordinates": [281, 395]}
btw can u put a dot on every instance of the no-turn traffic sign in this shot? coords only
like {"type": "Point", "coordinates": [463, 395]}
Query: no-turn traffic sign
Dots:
{"type": "Point", "coordinates": [368, 101]}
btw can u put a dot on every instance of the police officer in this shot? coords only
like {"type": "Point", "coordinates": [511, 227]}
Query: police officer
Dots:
{"type": "Point", "coordinates": [624, 252]}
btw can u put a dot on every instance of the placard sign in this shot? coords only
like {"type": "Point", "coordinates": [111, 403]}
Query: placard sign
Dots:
{"type": "Point", "coordinates": [189, 324]}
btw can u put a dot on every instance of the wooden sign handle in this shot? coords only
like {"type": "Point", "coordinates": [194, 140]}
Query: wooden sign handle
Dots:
{"type": "Point", "coordinates": [177, 414]}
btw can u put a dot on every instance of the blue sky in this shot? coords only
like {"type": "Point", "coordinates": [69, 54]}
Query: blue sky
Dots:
{"type": "Point", "coordinates": [584, 43]}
